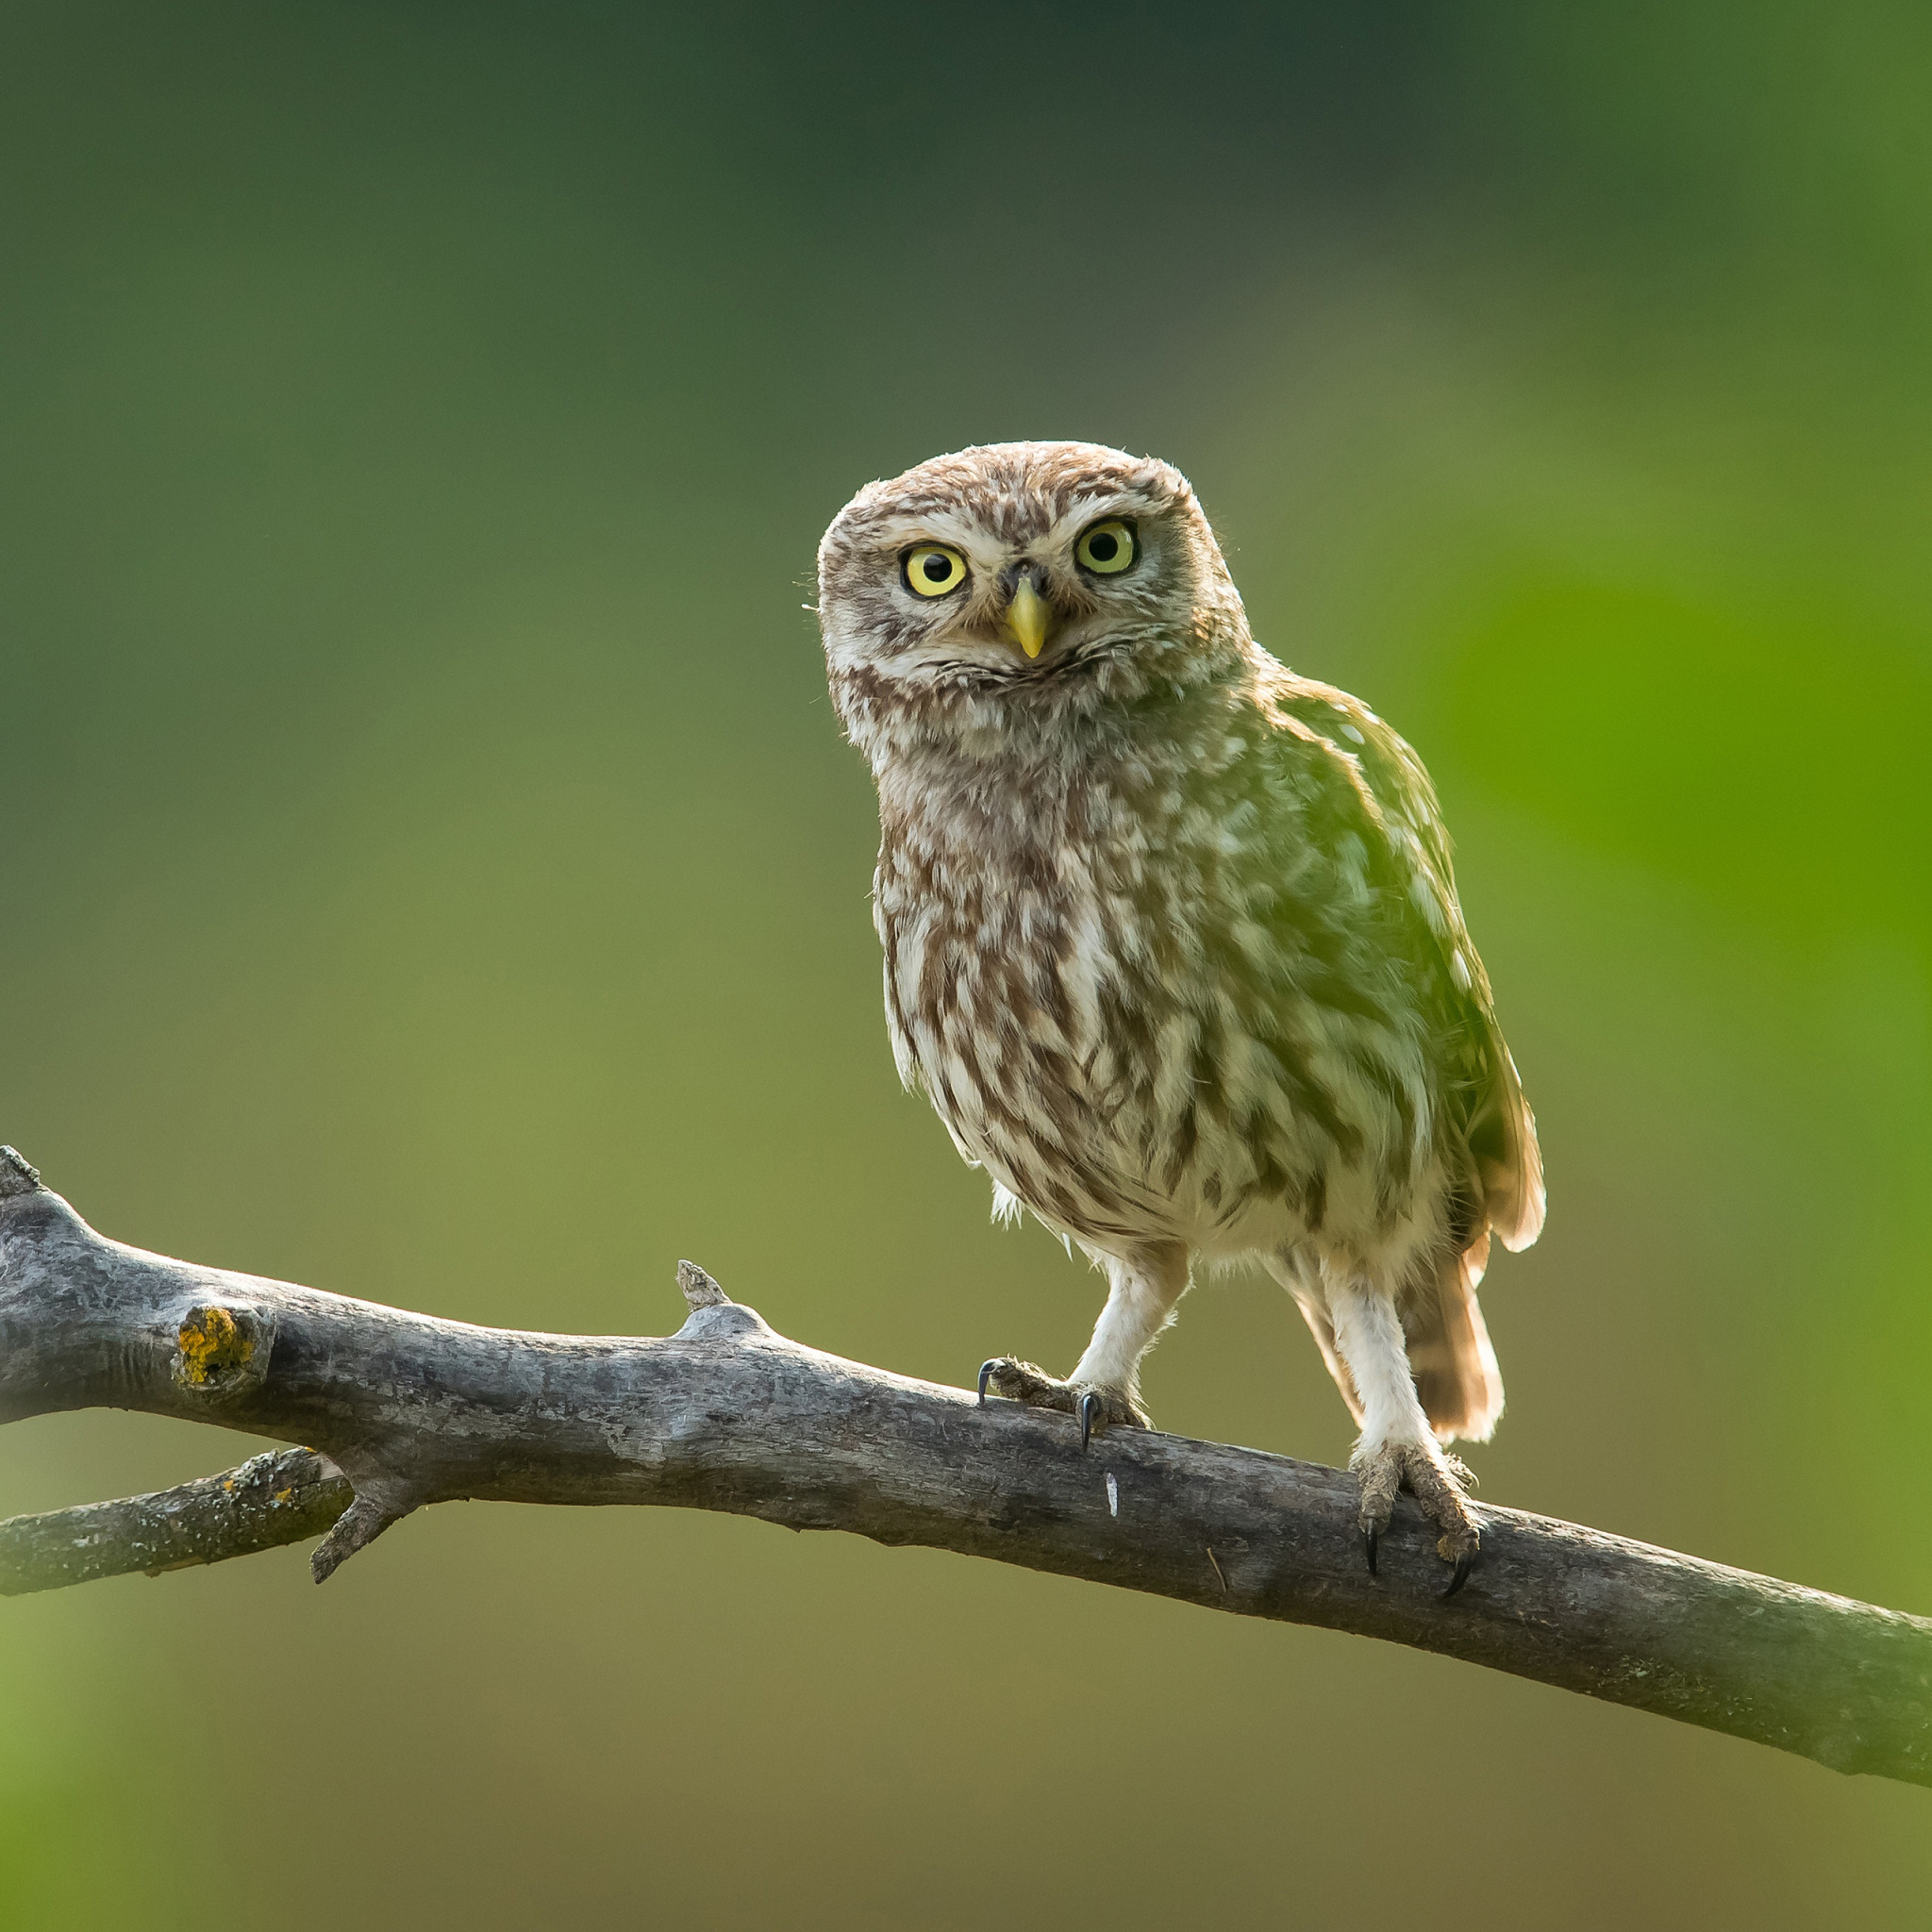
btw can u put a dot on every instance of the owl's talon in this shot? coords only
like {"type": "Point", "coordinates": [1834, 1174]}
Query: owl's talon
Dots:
{"type": "Point", "coordinates": [1093, 1407]}
{"type": "Point", "coordinates": [1021, 1381]}
{"type": "Point", "coordinates": [1089, 1410]}
{"type": "Point", "coordinates": [1436, 1482]}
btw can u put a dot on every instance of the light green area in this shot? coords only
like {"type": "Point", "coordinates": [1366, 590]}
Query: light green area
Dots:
{"type": "Point", "coordinates": [431, 870]}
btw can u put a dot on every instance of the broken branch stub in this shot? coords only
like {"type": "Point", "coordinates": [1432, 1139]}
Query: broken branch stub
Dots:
{"type": "Point", "coordinates": [405, 1409]}
{"type": "Point", "coordinates": [285, 1496]}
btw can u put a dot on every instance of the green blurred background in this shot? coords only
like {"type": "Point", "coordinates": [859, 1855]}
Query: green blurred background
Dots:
{"type": "Point", "coordinates": [431, 871]}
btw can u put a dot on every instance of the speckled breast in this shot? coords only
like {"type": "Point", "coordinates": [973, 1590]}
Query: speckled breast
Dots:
{"type": "Point", "coordinates": [1106, 1025]}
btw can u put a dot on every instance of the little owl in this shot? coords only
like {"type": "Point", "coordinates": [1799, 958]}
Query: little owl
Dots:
{"type": "Point", "coordinates": [1171, 941]}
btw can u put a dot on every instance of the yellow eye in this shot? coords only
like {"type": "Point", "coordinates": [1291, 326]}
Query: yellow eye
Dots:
{"type": "Point", "coordinates": [932, 569]}
{"type": "Point", "coordinates": [1109, 548]}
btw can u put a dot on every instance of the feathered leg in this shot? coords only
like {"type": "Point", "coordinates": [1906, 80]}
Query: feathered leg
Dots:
{"type": "Point", "coordinates": [1397, 1448]}
{"type": "Point", "coordinates": [1144, 1287]}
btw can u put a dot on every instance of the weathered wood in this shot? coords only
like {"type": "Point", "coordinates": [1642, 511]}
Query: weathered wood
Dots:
{"type": "Point", "coordinates": [286, 1496]}
{"type": "Point", "coordinates": [727, 1415]}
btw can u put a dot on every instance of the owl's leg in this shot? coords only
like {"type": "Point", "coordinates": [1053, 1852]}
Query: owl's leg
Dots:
{"type": "Point", "coordinates": [1105, 1387]}
{"type": "Point", "coordinates": [1396, 1449]}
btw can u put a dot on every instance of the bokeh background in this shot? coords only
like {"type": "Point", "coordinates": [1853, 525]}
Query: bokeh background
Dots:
{"type": "Point", "coordinates": [430, 870]}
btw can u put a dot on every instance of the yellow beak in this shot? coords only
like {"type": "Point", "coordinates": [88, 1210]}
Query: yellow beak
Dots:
{"type": "Point", "coordinates": [1028, 618]}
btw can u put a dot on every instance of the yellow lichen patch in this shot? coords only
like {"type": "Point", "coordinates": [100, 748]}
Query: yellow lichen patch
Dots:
{"type": "Point", "coordinates": [212, 1344]}
{"type": "Point", "coordinates": [283, 1495]}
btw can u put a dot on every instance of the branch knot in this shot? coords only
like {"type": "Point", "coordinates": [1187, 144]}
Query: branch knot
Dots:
{"type": "Point", "coordinates": [16, 1176]}
{"type": "Point", "coordinates": [700, 1290]}
{"type": "Point", "coordinates": [221, 1350]}
{"type": "Point", "coordinates": [714, 1316]}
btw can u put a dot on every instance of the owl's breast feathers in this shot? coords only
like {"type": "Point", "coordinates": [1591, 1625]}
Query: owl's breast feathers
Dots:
{"type": "Point", "coordinates": [1203, 978]}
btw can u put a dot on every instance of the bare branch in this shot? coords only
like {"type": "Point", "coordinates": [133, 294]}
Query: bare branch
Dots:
{"type": "Point", "coordinates": [727, 1415]}
{"type": "Point", "coordinates": [284, 1497]}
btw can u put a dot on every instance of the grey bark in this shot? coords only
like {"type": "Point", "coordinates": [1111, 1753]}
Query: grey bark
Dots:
{"type": "Point", "coordinates": [285, 1497]}
{"type": "Point", "coordinates": [727, 1415]}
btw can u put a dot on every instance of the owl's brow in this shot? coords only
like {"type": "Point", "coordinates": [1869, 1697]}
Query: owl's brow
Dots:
{"type": "Point", "coordinates": [947, 525]}
{"type": "Point", "coordinates": [966, 529]}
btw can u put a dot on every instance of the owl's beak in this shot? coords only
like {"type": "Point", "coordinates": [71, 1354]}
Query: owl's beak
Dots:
{"type": "Point", "coordinates": [1028, 618]}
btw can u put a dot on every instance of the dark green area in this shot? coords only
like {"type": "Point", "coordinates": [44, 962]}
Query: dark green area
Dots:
{"type": "Point", "coordinates": [430, 870]}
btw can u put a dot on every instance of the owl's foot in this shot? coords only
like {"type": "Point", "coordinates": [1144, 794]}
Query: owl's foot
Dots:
{"type": "Point", "coordinates": [1019, 1381]}
{"type": "Point", "coordinates": [1437, 1482]}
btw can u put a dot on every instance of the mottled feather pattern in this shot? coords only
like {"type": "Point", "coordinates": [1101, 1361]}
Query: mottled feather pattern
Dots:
{"type": "Point", "coordinates": [1170, 934]}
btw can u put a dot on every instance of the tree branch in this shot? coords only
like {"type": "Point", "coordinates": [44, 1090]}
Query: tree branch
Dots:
{"type": "Point", "coordinates": [727, 1415]}
{"type": "Point", "coordinates": [284, 1497]}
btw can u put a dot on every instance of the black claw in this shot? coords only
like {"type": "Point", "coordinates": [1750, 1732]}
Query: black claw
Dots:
{"type": "Point", "coordinates": [1371, 1539]}
{"type": "Point", "coordinates": [986, 1370]}
{"type": "Point", "coordinates": [1089, 1407]}
{"type": "Point", "coordinates": [1461, 1577]}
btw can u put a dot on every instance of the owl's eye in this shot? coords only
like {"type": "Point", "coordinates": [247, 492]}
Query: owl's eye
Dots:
{"type": "Point", "coordinates": [932, 569]}
{"type": "Point", "coordinates": [1109, 548]}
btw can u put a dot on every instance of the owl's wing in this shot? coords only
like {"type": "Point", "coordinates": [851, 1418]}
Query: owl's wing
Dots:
{"type": "Point", "coordinates": [1497, 1125]}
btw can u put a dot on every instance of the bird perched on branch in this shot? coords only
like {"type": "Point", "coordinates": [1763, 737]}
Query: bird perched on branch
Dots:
{"type": "Point", "coordinates": [1173, 944]}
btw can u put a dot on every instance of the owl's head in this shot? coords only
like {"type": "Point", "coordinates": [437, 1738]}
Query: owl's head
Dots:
{"type": "Point", "coordinates": [1022, 583]}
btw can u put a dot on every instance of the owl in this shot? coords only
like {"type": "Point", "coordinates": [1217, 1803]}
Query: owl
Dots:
{"type": "Point", "coordinates": [1172, 944]}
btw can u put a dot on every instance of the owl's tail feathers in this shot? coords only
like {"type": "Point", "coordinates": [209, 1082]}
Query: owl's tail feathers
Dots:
{"type": "Point", "coordinates": [1449, 1351]}
{"type": "Point", "coordinates": [1503, 1140]}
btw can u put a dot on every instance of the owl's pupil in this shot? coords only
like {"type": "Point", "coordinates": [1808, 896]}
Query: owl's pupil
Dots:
{"type": "Point", "coordinates": [1103, 548]}
{"type": "Point", "coordinates": [938, 569]}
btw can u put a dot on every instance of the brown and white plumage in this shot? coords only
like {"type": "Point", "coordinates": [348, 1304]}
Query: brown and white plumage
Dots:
{"type": "Point", "coordinates": [1172, 938]}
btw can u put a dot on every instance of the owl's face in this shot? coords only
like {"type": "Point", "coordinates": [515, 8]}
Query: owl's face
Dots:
{"type": "Point", "coordinates": [1036, 578]}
